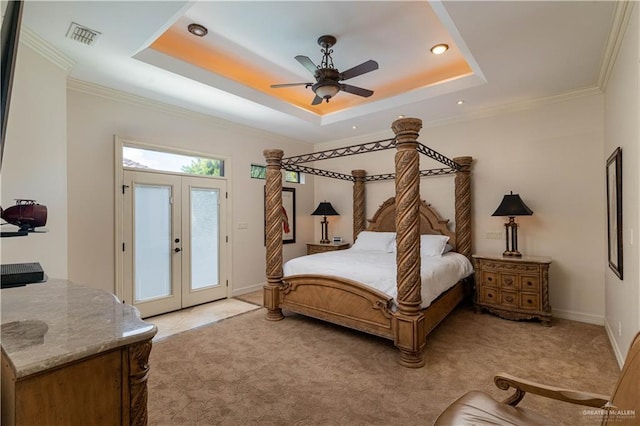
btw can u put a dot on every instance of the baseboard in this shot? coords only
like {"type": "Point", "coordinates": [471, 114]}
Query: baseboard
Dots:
{"type": "Point", "coordinates": [245, 290]}
{"type": "Point", "coordinates": [614, 344]}
{"type": "Point", "coordinates": [578, 316]}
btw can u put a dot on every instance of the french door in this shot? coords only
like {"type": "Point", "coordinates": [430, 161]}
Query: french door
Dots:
{"type": "Point", "coordinates": [174, 241]}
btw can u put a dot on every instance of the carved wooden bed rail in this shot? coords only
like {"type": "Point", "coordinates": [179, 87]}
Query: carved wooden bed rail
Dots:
{"type": "Point", "coordinates": [353, 304]}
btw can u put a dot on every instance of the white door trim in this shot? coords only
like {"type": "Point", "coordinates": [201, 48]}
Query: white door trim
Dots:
{"type": "Point", "coordinates": [119, 142]}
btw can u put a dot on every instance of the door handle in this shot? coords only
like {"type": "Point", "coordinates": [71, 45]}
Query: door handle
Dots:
{"type": "Point", "coordinates": [177, 249]}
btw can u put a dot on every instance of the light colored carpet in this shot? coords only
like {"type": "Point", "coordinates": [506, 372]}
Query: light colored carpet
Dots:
{"type": "Point", "coordinates": [300, 371]}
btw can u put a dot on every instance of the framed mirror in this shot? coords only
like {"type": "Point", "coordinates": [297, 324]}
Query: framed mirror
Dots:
{"type": "Point", "coordinates": [614, 211]}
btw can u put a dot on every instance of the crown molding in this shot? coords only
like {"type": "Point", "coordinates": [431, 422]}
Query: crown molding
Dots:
{"type": "Point", "coordinates": [143, 102]}
{"type": "Point", "coordinates": [483, 113]}
{"type": "Point", "coordinates": [620, 21]}
{"type": "Point", "coordinates": [118, 95]}
{"type": "Point", "coordinates": [517, 106]}
{"type": "Point", "coordinates": [45, 49]}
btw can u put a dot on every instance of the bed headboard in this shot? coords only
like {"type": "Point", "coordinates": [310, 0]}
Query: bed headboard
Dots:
{"type": "Point", "coordinates": [384, 220]}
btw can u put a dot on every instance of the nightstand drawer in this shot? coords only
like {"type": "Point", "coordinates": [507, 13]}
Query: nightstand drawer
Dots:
{"type": "Point", "coordinates": [319, 249]}
{"type": "Point", "coordinates": [509, 282]}
{"type": "Point", "coordinates": [314, 248]}
{"type": "Point", "coordinates": [509, 298]}
{"type": "Point", "coordinates": [530, 283]}
{"type": "Point", "coordinates": [489, 295]}
{"type": "Point", "coordinates": [530, 301]}
{"type": "Point", "coordinates": [508, 267]}
{"type": "Point", "coordinates": [490, 278]}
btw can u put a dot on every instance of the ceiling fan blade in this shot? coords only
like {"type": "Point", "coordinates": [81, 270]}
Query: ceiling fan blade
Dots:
{"type": "Point", "coordinates": [356, 90]}
{"type": "Point", "coordinates": [307, 63]}
{"type": "Point", "coordinates": [277, 86]}
{"type": "Point", "coordinates": [363, 68]}
{"type": "Point", "coordinates": [317, 100]}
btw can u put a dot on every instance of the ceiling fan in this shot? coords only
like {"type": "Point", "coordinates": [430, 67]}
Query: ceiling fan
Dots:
{"type": "Point", "coordinates": [328, 78]}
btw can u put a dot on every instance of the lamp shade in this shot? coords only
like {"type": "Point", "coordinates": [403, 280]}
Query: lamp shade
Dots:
{"type": "Point", "coordinates": [325, 209]}
{"type": "Point", "coordinates": [512, 205]}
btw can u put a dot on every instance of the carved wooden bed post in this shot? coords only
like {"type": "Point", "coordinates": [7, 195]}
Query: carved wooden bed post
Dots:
{"type": "Point", "coordinates": [463, 206]}
{"type": "Point", "coordinates": [408, 325]}
{"type": "Point", "coordinates": [359, 214]}
{"type": "Point", "coordinates": [273, 201]}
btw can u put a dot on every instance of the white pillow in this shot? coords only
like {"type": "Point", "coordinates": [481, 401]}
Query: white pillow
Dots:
{"type": "Point", "coordinates": [433, 245]}
{"type": "Point", "coordinates": [373, 241]}
{"type": "Point", "coordinates": [430, 245]}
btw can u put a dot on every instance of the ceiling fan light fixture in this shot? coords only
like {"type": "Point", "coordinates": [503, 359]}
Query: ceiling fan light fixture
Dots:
{"type": "Point", "coordinates": [326, 89]}
{"type": "Point", "coordinates": [328, 78]}
{"type": "Point", "coordinates": [197, 30]}
{"type": "Point", "coordinates": [439, 49]}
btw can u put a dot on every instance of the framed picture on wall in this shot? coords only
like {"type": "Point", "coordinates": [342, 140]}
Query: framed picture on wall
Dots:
{"type": "Point", "coordinates": [288, 216]}
{"type": "Point", "coordinates": [614, 211]}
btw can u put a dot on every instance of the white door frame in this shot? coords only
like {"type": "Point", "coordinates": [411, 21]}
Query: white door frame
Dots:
{"type": "Point", "coordinates": [118, 208]}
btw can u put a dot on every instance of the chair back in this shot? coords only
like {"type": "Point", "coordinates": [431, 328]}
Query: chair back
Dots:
{"type": "Point", "coordinates": [625, 400]}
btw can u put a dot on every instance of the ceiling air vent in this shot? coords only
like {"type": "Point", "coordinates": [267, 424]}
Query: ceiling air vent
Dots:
{"type": "Point", "coordinates": [82, 34]}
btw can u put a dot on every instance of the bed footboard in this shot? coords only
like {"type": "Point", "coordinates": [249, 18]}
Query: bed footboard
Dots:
{"type": "Point", "coordinates": [354, 305]}
{"type": "Point", "coordinates": [340, 301]}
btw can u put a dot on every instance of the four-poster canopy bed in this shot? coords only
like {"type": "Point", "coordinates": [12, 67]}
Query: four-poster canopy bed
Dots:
{"type": "Point", "coordinates": [351, 303]}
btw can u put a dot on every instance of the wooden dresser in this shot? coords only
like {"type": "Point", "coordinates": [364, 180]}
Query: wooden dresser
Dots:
{"type": "Point", "coordinates": [72, 355]}
{"type": "Point", "coordinates": [513, 288]}
{"type": "Point", "coordinates": [313, 248]}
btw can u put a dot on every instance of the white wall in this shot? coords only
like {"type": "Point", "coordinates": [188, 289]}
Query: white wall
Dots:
{"type": "Point", "coordinates": [95, 115]}
{"type": "Point", "coordinates": [35, 160]}
{"type": "Point", "coordinates": [551, 155]}
{"type": "Point", "coordinates": [622, 109]}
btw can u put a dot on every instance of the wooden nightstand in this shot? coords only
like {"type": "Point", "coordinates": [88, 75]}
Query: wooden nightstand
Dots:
{"type": "Point", "coordinates": [313, 248]}
{"type": "Point", "coordinates": [513, 288]}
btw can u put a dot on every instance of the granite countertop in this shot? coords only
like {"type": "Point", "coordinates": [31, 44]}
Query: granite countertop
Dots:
{"type": "Point", "coordinates": [50, 324]}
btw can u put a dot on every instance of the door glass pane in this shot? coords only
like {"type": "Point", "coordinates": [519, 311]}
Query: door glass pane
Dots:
{"type": "Point", "coordinates": [152, 221]}
{"type": "Point", "coordinates": [204, 237]}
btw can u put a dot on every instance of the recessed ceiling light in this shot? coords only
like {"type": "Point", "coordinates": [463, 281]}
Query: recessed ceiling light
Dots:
{"type": "Point", "coordinates": [439, 49]}
{"type": "Point", "coordinates": [401, 116]}
{"type": "Point", "coordinates": [197, 30]}
{"type": "Point", "coordinates": [354, 127]}
{"type": "Point", "coordinates": [460, 102]}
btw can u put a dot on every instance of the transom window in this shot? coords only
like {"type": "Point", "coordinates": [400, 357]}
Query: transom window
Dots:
{"type": "Point", "coordinates": [260, 172]}
{"type": "Point", "coordinates": [143, 158]}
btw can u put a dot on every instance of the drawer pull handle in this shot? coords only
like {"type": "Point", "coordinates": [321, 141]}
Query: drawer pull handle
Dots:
{"type": "Point", "coordinates": [508, 281]}
{"type": "Point", "coordinates": [529, 283]}
{"type": "Point", "coordinates": [489, 296]}
{"type": "Point", "coordinates": [509, 299]}
{"type": "Point", "coordinates": [489, 279]}
{"type": "Point", "coordinates": [529, 301]}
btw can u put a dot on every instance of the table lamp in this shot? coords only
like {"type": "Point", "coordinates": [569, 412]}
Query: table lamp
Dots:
{"type": "Point", "coordinates": [511, 206]}
{"type": "Point", "coordinates": [325, 209]}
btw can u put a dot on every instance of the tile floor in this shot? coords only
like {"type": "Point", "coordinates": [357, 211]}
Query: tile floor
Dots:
{"type": "Point", "coordinates": [186, 319]}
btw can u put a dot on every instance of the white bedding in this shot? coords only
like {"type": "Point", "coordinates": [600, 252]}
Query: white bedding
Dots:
{"type": "Point", "coordinates": [377, 269]}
